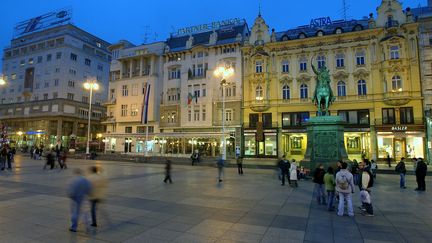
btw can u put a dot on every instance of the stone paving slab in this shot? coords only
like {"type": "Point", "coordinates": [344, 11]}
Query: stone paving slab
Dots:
{"type": "Point", "coordinates": [196, 208]}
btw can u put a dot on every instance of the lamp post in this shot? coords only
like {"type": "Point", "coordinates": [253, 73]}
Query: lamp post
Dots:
{"type": "Point", "coordinates": [92, 85]}
{"type": "Point", "coordinates": [2, 81]}
{"type": "Point", "coordinates": [223, 72]}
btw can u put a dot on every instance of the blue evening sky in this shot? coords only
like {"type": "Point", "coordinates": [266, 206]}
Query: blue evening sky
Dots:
{"type": "Point", "coordinates": [113, 20]}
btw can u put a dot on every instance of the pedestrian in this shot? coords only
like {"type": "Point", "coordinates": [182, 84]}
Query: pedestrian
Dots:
{"type": "Point", "coordinates": [329, 182]}
{"type": "Point", "coordinates": [9, 158]}
{"type": "Point", "coordinates": [345, 189]}
{"type": "Point", "coordinates": [414, 164]}
{"type": "Point", "coordinates": [240, 165]}
{"type": "Point", "coordinates": [3, 157]}
{"type": "Point", "coordinates": [338, 167]}
{"type": "Point", "coordinates": [220, 166]}
{"type": "Point", "coordinates": [401, 169]}
{"type": "Point", "coordinates": [31, 152]}
{"type": "Point", "coordinates": [293, 173]}
{"type": "Point", "coordinates": [50, 160]}
{"type": "Point", "coordinates": [318, 179]}
{"type": "Point", "coordinates": [365, 186]}
{"type": "Point", "coordinates": [97, 192]}
{"type": "Point", "coordinates": [78, 190]}
{"type": "Point", "coordinates": [388, 160]}
{"type": "Point", "coordinates": [284, 167]}
{"type": "Point", "coordinates": [168, 171]}
{"type": "Point", "coordinates": [420, 172]}
{"type": "Point", "coordinates": [40, 152]}
{"type": "Point", "coordinates": [63, 159]}
{"type": "Point", "coordinates": [374, 168]}
{"type": "Point", "coordinates": [194, 158]}
{"type": "Point", "coordinates": [353, 169]}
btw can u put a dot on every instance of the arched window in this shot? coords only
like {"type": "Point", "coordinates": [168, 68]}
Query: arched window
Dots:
{"type": "Point", "coordinates": [361, 87]}
{"type": "Point", "coordinates": [321, 61]}
{"type": "Point", "coordinates": [396, 83]}
{"type": "Point", "coordinates": [394, 52]}
{"type": "Point", "coordinates": [285, 92]}
{"type": "Point", "coordinates": [341, 88]}
{"type": "Point", "coordinates": [259, 93]}
{"type": "Point", "coordinates": [303, 91]}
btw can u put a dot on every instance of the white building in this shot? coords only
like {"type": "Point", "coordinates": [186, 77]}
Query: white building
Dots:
{"type": "Point", "coordinates": [191, 108]}
{"type": "Point", "coordinates": [136, 71]}
{"type": "Point", "coordinates": [44, 99]}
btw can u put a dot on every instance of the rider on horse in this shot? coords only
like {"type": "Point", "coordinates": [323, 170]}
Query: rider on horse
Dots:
{"type": "Point", "coordinates": [323, 94]}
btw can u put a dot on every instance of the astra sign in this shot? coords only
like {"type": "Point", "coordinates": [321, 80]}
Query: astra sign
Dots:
{"type": "Point", "coordinates": [320, 22]}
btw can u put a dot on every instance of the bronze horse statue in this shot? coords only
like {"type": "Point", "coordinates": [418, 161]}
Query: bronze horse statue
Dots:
{"type": "Point", "coordinates": [323, 94]}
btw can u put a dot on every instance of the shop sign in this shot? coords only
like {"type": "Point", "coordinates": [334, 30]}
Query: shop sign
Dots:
{"type": "Point", "coordinates": [206, 27]}
{"type": "Point", "coordinates": [399, 129]}
{"type": "Point", "coordinates": [320, 22]}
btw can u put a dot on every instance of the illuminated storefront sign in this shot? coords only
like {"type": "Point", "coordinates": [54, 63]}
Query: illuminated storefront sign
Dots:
{"type": "Point", "coordinates": [207, 27]}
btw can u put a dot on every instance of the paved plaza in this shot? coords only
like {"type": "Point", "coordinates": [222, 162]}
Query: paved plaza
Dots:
{"type": "Point", "coordinates": [195, 208]}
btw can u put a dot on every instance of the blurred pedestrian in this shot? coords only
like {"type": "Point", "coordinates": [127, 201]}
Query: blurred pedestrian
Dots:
{"type": "Point", "coordinates": [97, 192]}
{"type": "Point", "coordinates": [63, 157]}
{"type": "Point", "coordinates": [318, 179]}
{"type": "Point", "coordinates": [168, 171]}
{"type": "Point", "coordinates": [374, 168]}
{"type": "Point", "coordinates": [220, 166]}
{"type": "Point", "coordinates": [329, 182]}
{"type": "Point", "coordinates": [401, 169]}
{"type": "Point", "coordinates": [345, 189]}
{"type": "Point", "coordinates": [78, 190]}
{"type": "Point", "coordinates": [420, 172]}
{"type": "Point", "coordinates": [388, 160]}
{"type": "Point", "coordinates": [50, 160]}
{"type": "Point", "coordinates": [293, 173]}
{"type": "Point", "coordinates": [9, 158]}
{"type": "Point", "coordinates": [3, 157]}
{"type": "Point", "coordinates": [240, 165]}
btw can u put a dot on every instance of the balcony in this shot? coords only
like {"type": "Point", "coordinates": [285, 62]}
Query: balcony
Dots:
{"type": "Point", "coordinates": [108, 119]}
{"type": "Point", "coordinates": [416, 121]}
{"type": "Point", "coordinates": [111, 101]}
{"type": "Point", "coordinates": [259, 105]}
{"type": "Point", "coordinates": [397, 98]}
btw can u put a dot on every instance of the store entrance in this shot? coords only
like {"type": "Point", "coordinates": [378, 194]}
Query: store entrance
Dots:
{"type": "Point", "coordinates": [399, 145]}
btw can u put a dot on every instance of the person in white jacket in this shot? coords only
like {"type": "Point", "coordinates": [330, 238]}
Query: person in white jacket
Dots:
{"type": "Point", "coordinates": [345, 188]}
{"type": "Point", "coordinates": [97, 192]}
{"type": "Point", "coordinates": [293, 173]}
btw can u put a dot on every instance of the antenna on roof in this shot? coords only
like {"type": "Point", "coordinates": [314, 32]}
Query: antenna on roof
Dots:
{"type": "Point", "coordinates": [344, 10]}
{"type": "Point", "coordinates": [146, 34]}
{"type": "Point", "coordinates": [259, 8]}
{"type": "Point", "coordinates": [155, 36]}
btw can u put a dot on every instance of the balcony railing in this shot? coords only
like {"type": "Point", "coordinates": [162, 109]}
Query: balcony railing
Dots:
{"type": "Point", "coordinates": [415, 121]}
{"type": "Point", "coordinates": [266, 125]}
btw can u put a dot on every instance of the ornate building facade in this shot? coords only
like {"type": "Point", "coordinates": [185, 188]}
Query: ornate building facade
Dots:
{"type": "Point", "coordinates": [374, 65]}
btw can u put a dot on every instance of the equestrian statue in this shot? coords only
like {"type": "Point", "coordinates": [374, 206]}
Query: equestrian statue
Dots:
{"type": "Point", "coordinates": [323, 94]}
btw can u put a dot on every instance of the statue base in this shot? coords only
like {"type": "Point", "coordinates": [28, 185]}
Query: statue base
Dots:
{"type": "Point", "coordinates": [325, 142]}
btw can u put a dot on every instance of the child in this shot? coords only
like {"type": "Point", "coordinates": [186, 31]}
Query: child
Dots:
{"type": "Point", "coordinates": [329, 182]}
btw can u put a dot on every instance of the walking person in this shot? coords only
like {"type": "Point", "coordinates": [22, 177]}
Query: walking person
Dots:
{"type": "Point", "coordinates": [401, 169]}
{"type": "Point", "coordinates": [50, 161]}
{"type": "Point", "coordinates": [97, 192]}
{"type": "Point", "coordinates": [168, 171]}
{"type": "Point", "coordinates": [284, 167]}
{"type": "Point", "coordinates": [345, 189]}
{"type": "Point", "coordinates": [220, 165]}
{"type": "Point", "coordinates": [293, 173]}
{"type": "Point", "coordinates": [374, 168]}
{"type": "Point", "coordinates": [78, 190]}
{"type": "Point", "coordinates": [329, 182]}
{"type": "Point", "coordinates": [420, 172]}
{"type": "Point", "coordinates": [388, 160]}
{"type": "Point", "coordinates": [240, 165]}
{"type": "Point", "coordinates": [318, 179]}
{"type": "Point", "coordinates": [3, 157]}
{"type": "Point", "coordinates": [365, 186]}
{"type": "Point", "coordinates": [9, 158]}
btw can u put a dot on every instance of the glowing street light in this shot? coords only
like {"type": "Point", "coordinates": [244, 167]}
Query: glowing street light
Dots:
{"type": "Point", "coordinates": [223, 72]}
{"type": "Point", "coordinates": [2, 81]}
{"type": "Point", "coordinates": [92, 85]}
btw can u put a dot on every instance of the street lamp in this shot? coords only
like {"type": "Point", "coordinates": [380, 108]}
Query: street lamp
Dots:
{"type": "Point", "coordinates": [2, 81]}
{"type": "Point", "coordinates": [224, 72]}
{"type": "Point", "coordinates": [92, 85]}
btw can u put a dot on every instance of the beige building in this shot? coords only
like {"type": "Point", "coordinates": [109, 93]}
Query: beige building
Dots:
{"type": "Point", "coordinates": [374, 66]}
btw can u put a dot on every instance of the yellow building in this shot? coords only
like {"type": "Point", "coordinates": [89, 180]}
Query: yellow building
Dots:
{"type": "Point", "coordinates": [374, 66]}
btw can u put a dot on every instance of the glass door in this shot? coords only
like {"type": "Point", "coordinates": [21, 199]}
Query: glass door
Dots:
{"type": "Point", "coordinates": [399, 148]}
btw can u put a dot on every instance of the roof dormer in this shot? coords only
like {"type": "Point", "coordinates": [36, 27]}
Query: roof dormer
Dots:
{"type": "Point", "coordinates": [260, 32]}
{"type": "Point", "coordinates": [390, 14]}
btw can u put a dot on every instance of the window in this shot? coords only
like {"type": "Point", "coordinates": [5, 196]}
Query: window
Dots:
{"type": "Point", "coordinates": [258, 67]}
{"type": "Point", "coordinates": [267, 119]}
{"type": "Point", "coordinates": [394, 52]}
{"type": "Point", "coordinates": [303, 91]}
{"type": "Point", "coordinates": [73, 57]}
{"type": "Point", "coordinates": [228, 115]}
{"type": "Point", "coordinates": [259, 93]}
{"type": "Point", "coordinates": [70, 96]}
{"type": "Point", "coordinates": [58, 55]}
{"type": "Point", "coordinates": [57, 70]}
{"type": "Point", "coordinates": [406, 115]}
{"type": "Point", "coordinates": [189, 113]}
{"type": "Point", "coordinates": [48, 57]}
{"type": "Point", "coordinates": [360, 58]}
{"type": "Point", "coordinates": [22, 63]}
{"type": "Point", "coordinates": [340, 60]}
{"type": "Point", "coordinates": [55, 95]}
{"type": "Point", "coordinates": [125, 91]}
{"type": "Point", "coordinates": [321, 61]}
{"type": "Point", "coordinates": [13, 76]}
{"type": "Point", "coordinates": [30, 61]}
{"type": "Point", "coordinates": [39, 59]}
{"type": "Point", "coordinates": [72, 71]}
{"type": "Point", "coordinates": [388, 116]}
{"type": "Point", "coordinates": [294, 119]}
{"type": "Point", "coordinates": [134, 89]}
{"type": "Point", "coordinates": [341, 88]}
{"type": "Point", "coordinates": [203, 112]}
{"type": "Point", "coordinates": [37, 86]}
{"type": "Point", "coordinates": [357, 117]}
{"type": "Point", "coordinates": [285, 66]}
{"type": "Point", "coordinates": [396, 83]}
{"type": "Point", "coordinates": [45, 96]}
{"type": "Point", "coordinates": [56, 82]}
{"type": "Point", "coordinates": [124, 109]}
{"type": "Point", "coordinates": [128, 129]}
{"type": "Point", "coordinates": [85, 99]}
{"type": "Point", "coordinates": [200, 69]}
{"type": "Point", "coordinates": [303, 64]}
{"type": "Point", "coordinates": [87, 62]}
{"type": "Point", "coordinates": [174, 73]}
{"type": "Point", "coordinates": [196, 113]}
{"type": "Point", "coordinates": [285, 92]}
{"type": "Point", "coordinates": [253, 120]}
{"type": "Point", "coordinates": [71, 83]}
{"type": "Point", "coordinates": [46, 85]}
{"type": "Point", "coordinates": [134, 110]}
{"type": "Point", "coordinates": [204, 91]}
{"type": "Point", "coordinates": [100, 67]}
{"type": "Point", "coordinates": [361, 87]}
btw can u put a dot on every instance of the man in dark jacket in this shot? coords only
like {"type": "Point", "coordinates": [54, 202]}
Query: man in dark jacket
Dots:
{"type": "Point", "coordinates": [400, 168]}
{"type": "Point", "coordinates": [420, 171]}
{"type": "Point", "coordinates": [318, 179]}
{"type": "Point", "coordinates": [284, 166]}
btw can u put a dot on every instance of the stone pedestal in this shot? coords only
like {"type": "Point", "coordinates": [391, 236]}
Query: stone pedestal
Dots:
{"type": "Point", "coordinates": [325, 142]}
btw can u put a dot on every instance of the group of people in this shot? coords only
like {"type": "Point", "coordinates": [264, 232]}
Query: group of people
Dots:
{"type": "Point", "coordinates": [6, 157]}
{"type": "Point", "coordinates": [58, 155]}
{"type": "Point", "coordinates": [420, 170]}
{"type": "Point", "coordinates": [91, 187]}
{"type": "Point", "coordinates": [289, 170]}
{"type": "Point", "coordinates": [36, 152]}
{"type": "Point", "coordinates": [339, 185]}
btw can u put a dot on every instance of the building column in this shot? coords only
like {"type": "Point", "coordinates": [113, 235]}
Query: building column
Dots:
{"type": "Point", "coordinates": [373, 143]}
{"type": "Point", "coordinates": [59, 129]}
{"type": "Point", "coordinates": [183, 145]}
{"type": "Point", "coordinates": [141, 66]}
{"type": "Point", "coordinates": [130, 69]}
{"type": "Point", "coordinates": [75, 128]}
{"type": "Point", "coordinates": [152, 65]}
{"type": "Point", "coordinates": [121, 69]}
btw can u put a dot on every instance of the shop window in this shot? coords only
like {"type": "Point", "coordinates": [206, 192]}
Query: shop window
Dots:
{"type": "Point", "coordinates": [294, 119]}
{"type": "Point", "coordinates": [249, 144]}
{"type": "Point", "coordinates": [414, 147]}
{"type": "Point", "coordinates": [406, 115]}
{"type": "Point", "coordinates": [253, 119]}
{"type": "Point", "coordinates": [353, 145]}
{"type": "Point", "coordinates": [267, 119]}
{"type": "Point", "coordinates": [270, 145]}
{"type": "Point", "coordinates": [385, 146]}
{"type": "Point", "coordinates": [296, 143]}
{"type": "Point", "coordinates": [388, 116]}
{"type": "Point", "coordinates": [357, 117]}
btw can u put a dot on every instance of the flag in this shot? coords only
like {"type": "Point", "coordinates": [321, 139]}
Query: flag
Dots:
{"type": "Point", "coordinates": [190, 98]}
{"type": "Point", "coordinates": [144, 112]}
